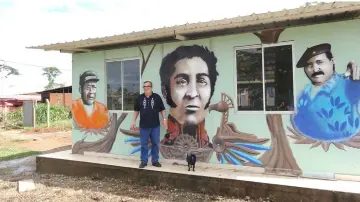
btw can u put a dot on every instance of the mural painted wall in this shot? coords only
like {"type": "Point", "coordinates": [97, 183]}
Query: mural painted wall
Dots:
{"type": "Point", "coordinates": [196, 79]}
{"type": "Point", "coordinates": [328, 107]}
{"type": "Point", "coordinates": [188, 79]}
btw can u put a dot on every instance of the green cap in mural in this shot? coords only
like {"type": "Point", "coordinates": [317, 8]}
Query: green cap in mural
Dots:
{"type": "Point", "coordinates": [88, 76]}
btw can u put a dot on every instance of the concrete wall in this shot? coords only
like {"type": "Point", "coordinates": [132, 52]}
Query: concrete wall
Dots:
{"type": "Point", "coordinates": [324, 126]}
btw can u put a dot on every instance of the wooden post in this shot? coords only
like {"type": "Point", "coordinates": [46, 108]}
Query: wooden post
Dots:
{"type": "Point", "coordinates": [34, 114]}
{"type": "Point", "coordinates": [48, 112]}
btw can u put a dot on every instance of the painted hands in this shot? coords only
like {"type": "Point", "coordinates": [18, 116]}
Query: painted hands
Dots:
{"type": "Point", "coordinates": [353, 71]}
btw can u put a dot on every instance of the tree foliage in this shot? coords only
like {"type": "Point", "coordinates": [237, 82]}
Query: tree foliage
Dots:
{"type": "Point", "coordinates": [51, 73]}
{"type": "Point", "coordinates": [9, 70]}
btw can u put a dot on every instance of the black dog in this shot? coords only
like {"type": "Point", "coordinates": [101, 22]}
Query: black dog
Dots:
{"type": "Point", "coordinates": [191, 160]}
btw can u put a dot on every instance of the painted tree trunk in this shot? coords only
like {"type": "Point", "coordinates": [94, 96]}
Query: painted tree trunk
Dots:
{"type": "Point", "coordinates": [103, 145]}
{"type": "Point", "coordinates": [280, 159]}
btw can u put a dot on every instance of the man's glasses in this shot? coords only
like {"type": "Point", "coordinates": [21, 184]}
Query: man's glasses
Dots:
{"type": "Point", "coordinates": [147, 86]}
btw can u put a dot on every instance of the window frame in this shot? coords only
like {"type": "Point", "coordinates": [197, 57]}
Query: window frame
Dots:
{"type": "Point", "coordinates": [122, 80]}
{"type": "Point", "coordinates": [263, 46]}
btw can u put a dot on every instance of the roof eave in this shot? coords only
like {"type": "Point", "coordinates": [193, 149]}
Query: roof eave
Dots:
{"type": "Point", "coordinates": [208, 29]}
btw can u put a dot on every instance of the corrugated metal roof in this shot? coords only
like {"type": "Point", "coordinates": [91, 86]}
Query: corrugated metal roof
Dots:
{"type": "Point", "coordinates": [59, 89]}
{"type": "Point", "coordinates": [254, 22]}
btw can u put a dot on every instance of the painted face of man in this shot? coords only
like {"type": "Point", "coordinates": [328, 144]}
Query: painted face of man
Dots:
{"type": "Point", "coordinates": [190, 90]}
{"type": "Point", "coordinates": [88, 93]}
{"type": "Point", "coordinates": [319, 69]}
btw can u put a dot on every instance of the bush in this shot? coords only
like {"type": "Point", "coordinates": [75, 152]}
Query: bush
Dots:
{"type": "Point", "coordinates": [57, 113]}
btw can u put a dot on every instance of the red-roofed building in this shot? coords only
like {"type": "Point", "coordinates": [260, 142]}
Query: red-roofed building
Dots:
{"type": "Point", "coordinates": [11, 102]}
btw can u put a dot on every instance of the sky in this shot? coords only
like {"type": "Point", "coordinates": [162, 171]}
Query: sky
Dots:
{"type": "Point", "coordinates": [25, 23]}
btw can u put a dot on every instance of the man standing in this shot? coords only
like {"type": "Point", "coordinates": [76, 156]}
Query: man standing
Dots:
{"type": "Point", "coordinates": [87, 112]}
{"type": "Point", "coordinates": [149, 104]}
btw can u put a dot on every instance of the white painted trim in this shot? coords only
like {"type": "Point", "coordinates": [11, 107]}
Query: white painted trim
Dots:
{"type": "Point", "coordinates": [236, 48]}
{"type": "Point", "coordinates": [122, 80]}
{"type": "Point", "coordinates": [235, 79]}
{"type": "Point", "coordinates": [247, 47]}
{"type": "Point", "coordinates": [122, 84]}
{"type": "Point", "coordinates": [262, 46]}
{"type": "Point", "coordinates": [263, 77]}
{"type": "Point", "coordinates": [123, 59]}
{"type": "Point", "coordinates": [294, 80]}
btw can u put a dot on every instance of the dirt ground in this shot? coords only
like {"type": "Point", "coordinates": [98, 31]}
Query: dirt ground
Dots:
{"type": "Point", "coordinates": [62, 188]}
{"type": "Point", "coordinates": [35, 141]}
{"type": "Point", "coordinates": [43, 142]}
{"type": "Point", "coordinates": [57, 188]}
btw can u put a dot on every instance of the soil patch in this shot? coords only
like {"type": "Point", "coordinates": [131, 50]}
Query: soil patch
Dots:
{"type": "Point", "coordinates": [60, 188]}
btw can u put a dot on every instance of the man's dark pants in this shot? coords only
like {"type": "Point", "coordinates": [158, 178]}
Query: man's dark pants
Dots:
{"type": "Point", "coordinates": [154, 135]}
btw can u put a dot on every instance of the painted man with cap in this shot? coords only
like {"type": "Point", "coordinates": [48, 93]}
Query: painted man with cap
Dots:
{"type": "Point", "coordinates": [87, 112]}
{"type": "Point", "coordinates": [327, 107]}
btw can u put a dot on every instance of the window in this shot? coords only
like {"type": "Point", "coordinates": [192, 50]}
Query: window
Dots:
{"type": "Point", "coordinates": [265, 78]}
{"type": "Point", "coordinates": [123, 84]}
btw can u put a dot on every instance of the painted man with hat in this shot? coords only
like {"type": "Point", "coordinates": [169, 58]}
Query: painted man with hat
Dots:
{"type": "Point", "coordinates": [327, 107]}
{"type": "Point", "coordinates": [87, 112]}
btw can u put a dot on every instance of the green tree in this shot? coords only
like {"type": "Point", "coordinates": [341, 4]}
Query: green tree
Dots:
{"type": "Point", "coordinates": [8, 70]}
{"type": "Point", "coordinates": [51, 73]}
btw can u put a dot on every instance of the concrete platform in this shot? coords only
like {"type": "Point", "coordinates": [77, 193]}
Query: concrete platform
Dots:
{"type": "Point", "coordinates": [218, 179]}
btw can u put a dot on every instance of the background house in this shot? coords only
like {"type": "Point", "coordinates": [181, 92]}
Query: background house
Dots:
{"type": "Point", "coordinates": [11, 102]}
{"type": "Point", "coordinates": [57, 96]}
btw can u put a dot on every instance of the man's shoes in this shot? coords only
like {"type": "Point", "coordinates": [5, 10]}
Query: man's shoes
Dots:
{"type": "Point", "coordinates": [142, 165]}
{"type": "Point", "coordinates": [157, 164]}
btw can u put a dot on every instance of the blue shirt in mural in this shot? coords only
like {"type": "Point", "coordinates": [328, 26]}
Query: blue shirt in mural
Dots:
{"type": "Point", "coordinates": [331, 115]}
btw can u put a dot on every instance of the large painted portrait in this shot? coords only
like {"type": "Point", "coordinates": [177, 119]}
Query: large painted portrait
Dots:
{"type": "Point", "coordinates": [328, 107]}
{"type": "Point", "coordinates": [89, 115]}
{"type": "Point", "coordinates": [188, 79]}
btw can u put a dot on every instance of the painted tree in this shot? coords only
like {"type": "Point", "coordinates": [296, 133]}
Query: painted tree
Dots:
{"type": "Point", "coordinates": [51, 73]}
{"type": "Point", "coordinates": [280, 158]}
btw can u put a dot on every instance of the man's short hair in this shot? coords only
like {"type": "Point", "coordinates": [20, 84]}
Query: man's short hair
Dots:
{"type": "Point", "coordinates": [168, 67]}
{"type": "Point", "coordinates": [148, 82]}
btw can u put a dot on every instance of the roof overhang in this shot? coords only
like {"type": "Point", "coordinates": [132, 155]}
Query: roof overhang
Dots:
{"type": "Point", "coordinates": [316, 14]}
{"type": "Point", "coordinates": [56, 90]}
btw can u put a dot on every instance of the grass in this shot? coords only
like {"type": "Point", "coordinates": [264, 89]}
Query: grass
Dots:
{"type": "Point", "coordinates": [7, 154]}
{"type": "Point", "coordinates": [64, 125]}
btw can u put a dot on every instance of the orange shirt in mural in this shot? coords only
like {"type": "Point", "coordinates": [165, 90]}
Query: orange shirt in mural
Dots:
{"type": "Point", "coordinates": [175, 129]}
{"type": "Point", "coordinates": [99, 118]}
